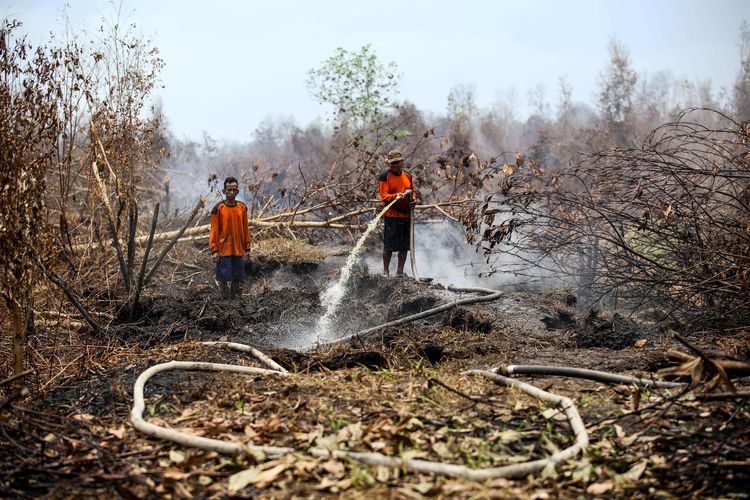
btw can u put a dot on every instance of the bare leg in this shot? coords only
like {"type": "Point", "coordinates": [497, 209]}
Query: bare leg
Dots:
{"type": "Point", "coordinates": [401, 262]}
{"type": "Point", "coordinates": [387, 261]}
{"type": "Point", "coordinates": [223, 290]}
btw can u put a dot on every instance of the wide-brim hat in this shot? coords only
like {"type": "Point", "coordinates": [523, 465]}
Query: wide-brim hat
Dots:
{"type": "Point", "coordinates": [394, 156]}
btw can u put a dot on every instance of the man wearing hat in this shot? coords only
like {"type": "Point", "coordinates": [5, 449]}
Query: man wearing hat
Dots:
{"type": "Point", "coordinates": [391, 184]}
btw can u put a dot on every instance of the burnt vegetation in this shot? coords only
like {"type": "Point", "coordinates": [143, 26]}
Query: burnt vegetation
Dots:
{"type": "Point", "coordinates": [638, 205]}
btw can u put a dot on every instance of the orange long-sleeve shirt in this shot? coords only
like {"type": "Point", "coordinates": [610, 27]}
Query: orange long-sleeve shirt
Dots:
{"type": "Point", "coordinates": [230, 231]}
{"type": "Point", "coordinates": [390, 185]}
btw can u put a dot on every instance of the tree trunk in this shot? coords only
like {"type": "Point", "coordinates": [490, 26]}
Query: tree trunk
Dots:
{"type": "Point", "coordinates": [19, 313]}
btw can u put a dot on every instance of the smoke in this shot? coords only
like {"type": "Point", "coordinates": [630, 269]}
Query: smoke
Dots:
{"type": "Point", "coordinates": [443, 254]}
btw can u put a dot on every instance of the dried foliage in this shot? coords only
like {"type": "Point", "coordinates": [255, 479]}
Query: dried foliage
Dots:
{"type": "Point", "coordinates": [667, 223]}
{"type": "Point", "coordinates": [28, 127]}
{"type": "Point", "coordinates": [640, 440]}
{"type": "Point", "coordinates": [50, 96]}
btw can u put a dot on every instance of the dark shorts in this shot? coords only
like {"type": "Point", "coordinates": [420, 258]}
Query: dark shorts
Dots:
{"type": "Point", "coordinates": [396, 234]}
{"type": "Point", "coordinates": [230, 268]}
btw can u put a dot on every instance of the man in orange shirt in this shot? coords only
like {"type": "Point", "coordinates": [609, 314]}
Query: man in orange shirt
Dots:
{"type": "Point", "coordinates": [229, 240]}
{"type": "Point", "coordinates": [394, 182]}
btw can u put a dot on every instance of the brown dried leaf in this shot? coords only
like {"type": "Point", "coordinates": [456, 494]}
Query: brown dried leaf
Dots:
{"type": "Point", "coordinates": [635, 472]}
{"type": "Point", "coordinates": [176, 456]}
{"type": "Point", "coordinates": [635, 400]}
{"type": "Point", "coordinates": [600, 488]}
{"type": "Point", "coordinates": [692, 368]}
{"type": "Point", "coordinates": [334, 467]}
{"type": "Point", "coordinates": [667, 211]}
{"type": "Point", "coordinates": [119, 433]}
{"type": "Point", "coordinates": [268, 476]}
{"type": "Point", "coordinates": [509, 169]}
{"type": "Point", "coordinates": [441, 449]}
{"type": "Point", "coordinates": [241, 479]}
{"type": "Point", "coordinates": [329, 442]}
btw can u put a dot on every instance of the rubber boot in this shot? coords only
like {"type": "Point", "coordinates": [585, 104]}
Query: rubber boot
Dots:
{"type": "Point", "coordinates": [223, 290]}
{"type": "Point", "coordinates": [236, 290]}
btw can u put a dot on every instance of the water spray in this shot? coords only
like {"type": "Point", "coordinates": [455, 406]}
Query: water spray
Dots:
{"type": "Point", "coordinates": [331, 298]}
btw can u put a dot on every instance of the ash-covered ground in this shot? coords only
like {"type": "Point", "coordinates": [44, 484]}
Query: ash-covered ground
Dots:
{"type": "Point", "coordinates": [399, 390]}
{"type": "Point", "coordinates": [281, 306]}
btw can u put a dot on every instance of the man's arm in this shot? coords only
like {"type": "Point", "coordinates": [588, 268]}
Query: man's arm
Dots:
{"type": "Point", "coordinates": [385, 196]}
{"type": "Point", "coordinates": [213, 237]}
{"type": "Point", "coordinates": [247, 232]}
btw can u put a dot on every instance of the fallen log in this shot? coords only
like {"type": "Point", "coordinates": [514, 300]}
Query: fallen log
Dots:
{"type": "Point", "coordinates": [205, 229]}
{"type": "Point", "coordinates": [267, 222]}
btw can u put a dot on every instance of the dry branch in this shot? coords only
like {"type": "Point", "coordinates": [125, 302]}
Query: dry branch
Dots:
{"type": "Point", "coordinates": [74, 300]}
{"type": "Point", "coordinates": [16, 376]}
{"type": "Point", "coordinates": [174, 239]}
{"type": "Point", "coordinates": [112, 225]}
{"type": "Point", "coordinates": [144, 263]}
{"type": "Point", "coordinates": [730, 366]}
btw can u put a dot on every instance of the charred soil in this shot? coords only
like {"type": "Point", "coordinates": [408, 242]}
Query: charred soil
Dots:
{"type": "Point", "coordinates": [400, 391]}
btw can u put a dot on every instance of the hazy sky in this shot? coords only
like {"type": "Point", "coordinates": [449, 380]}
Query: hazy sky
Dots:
{"type": "Point", "coordinates": [230, 64]}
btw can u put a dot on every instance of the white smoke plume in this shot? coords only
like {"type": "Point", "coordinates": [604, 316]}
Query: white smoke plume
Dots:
{"type": "Point", "coordinates": [443, 254]}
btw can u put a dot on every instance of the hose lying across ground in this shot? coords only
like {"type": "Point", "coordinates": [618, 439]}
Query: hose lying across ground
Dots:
{"type": "Point", "coordinates": [599, 376]}
{"type": "Point", "coordinates": [489, 295]}
{"type": "Point", "coordinates": [368, 458]}
{"type": "Point", "coordinates": [413, 465]}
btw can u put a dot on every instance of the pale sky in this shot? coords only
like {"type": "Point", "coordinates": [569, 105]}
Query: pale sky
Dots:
{"type": "Point", "coordinates": [230, 64]}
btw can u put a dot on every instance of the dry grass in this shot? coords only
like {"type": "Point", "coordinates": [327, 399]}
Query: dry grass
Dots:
{"type": "Point", "coordinates": [289, 252]}
{"type": "Point", "coordinates": [416, 410]}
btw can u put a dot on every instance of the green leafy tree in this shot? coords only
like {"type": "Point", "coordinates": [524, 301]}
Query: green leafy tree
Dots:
{"type": "Point", "coordinates": [360, 88]}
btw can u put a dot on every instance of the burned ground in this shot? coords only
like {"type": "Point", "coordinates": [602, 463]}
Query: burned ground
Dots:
{"type": "Point", "coordinates": [400, 391]}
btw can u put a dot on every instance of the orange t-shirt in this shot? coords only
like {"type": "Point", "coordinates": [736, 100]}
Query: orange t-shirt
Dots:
{"type": "Point", "coordinates": [230, 230]}
{"type": "Point", "coordinates": [391, 185]}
